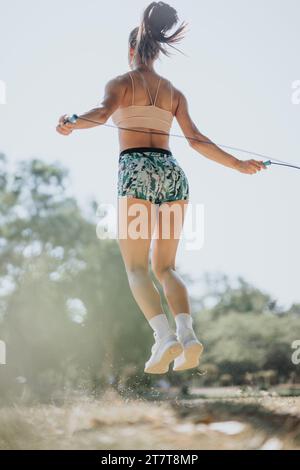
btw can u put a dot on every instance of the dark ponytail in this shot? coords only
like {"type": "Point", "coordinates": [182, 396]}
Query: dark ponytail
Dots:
{"type": "Point", "coordinates": [150, 38]}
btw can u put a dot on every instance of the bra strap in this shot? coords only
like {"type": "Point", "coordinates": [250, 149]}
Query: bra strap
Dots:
{"type": "Point", "coordinates": [171, 87]}
{"type": "Point", "coordinates": [157, 91]}
{"type": "Point", "coordinates": [132, 88]}
{"type": "Point", "coordinates": [145, 83]}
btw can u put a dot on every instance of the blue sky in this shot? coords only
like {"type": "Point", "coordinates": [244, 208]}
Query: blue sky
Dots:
{"type": "Point", "coordinates": [242, 60]}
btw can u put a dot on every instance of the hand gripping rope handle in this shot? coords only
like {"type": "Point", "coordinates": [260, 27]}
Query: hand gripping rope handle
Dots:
{"type": "Point", "coordinates": [74, 118]}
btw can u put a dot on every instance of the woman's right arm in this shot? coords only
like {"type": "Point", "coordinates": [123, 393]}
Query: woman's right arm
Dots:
{"type": "Point", "coordinates": [206, 147]}
{"type": "Point", "coordinates": [114, 92]}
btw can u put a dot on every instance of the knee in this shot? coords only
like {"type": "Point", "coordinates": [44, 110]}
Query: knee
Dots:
{"type": "Point", "coordinates": [161, 272]}
{"type": "Point", "coordinates": [137, 273]}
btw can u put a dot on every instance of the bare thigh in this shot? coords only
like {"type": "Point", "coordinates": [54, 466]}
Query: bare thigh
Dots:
{"type": "Point", "coordinates": [136, 224]}
{"type": "Point", "coordinates": [167, 235]}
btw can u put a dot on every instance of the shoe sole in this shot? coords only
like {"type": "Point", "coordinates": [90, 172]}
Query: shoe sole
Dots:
{"type": "Point", "coordinates": [192, 354]}
{"type": "Point", "coordinates": [169, 355]}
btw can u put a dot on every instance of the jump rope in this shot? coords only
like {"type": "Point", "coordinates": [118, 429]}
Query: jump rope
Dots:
{"type": "Point", "coordinates": [269, 161]}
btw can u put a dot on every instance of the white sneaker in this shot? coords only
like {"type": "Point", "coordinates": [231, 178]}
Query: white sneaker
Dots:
{"type": "Point", "coordinates": [163, 352]}
{"type": "Point", "coordinates": [192, 351]}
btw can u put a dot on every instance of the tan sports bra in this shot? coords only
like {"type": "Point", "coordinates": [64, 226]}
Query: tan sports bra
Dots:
{"type": "Point", "coordinates": [149, 116]}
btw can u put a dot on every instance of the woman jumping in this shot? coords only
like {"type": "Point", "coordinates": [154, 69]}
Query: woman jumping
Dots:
{"type": "Point", "coordinates": [143, 105]}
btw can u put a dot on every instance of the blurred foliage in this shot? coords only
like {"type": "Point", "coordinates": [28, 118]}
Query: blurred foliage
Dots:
{"type": "Point", "coordinates": [70, 321]}
{"type": "Point", "coordinates": [240, 344]}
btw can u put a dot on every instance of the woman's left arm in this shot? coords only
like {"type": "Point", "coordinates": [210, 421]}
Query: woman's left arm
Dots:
{"type": "Point", "coordinates": [114, 92]}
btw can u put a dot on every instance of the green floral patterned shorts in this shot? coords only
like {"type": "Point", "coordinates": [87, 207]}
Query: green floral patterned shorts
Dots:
{"type": "Point", "coordinates": [151, 174]}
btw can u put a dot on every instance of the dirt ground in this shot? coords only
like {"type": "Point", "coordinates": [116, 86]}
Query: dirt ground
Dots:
{"type": "Point", "coordinates": [264, 422]}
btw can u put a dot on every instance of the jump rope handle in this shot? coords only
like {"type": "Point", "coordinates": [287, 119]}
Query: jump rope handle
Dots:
{"type": "Point", "coordinates": [268, 163]}
{"type": "Point", "coordinates": [71, 119]}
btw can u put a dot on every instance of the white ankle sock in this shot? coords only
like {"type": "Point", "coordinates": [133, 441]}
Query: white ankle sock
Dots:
{"type": "Point", "coordinates": [183, 321]}
{"type": "Point", "coordinates": [160, 325]}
